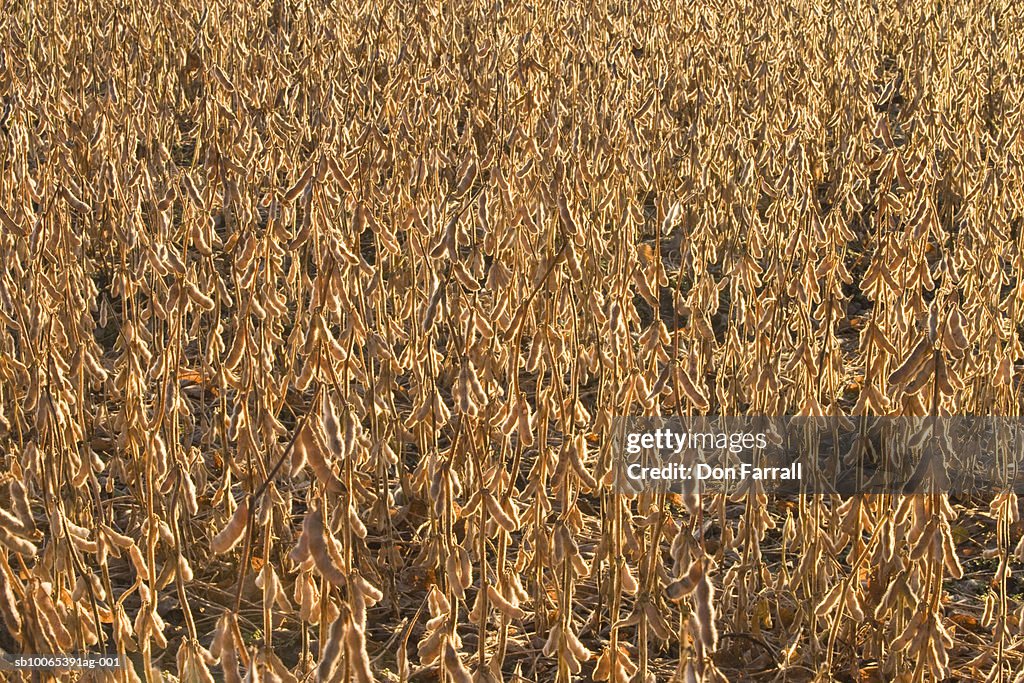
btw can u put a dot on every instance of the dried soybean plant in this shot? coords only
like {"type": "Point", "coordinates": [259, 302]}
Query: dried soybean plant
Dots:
{"type": "Point", "coordinates": [315, 318]}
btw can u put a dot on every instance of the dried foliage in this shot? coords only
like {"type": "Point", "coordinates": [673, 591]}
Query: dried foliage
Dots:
{"type": "Point", "coordinates": [314, 317]}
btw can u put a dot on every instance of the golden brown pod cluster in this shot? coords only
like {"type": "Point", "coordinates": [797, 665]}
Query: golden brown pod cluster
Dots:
{"type": "Point", "coordinates": [316, 319]}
